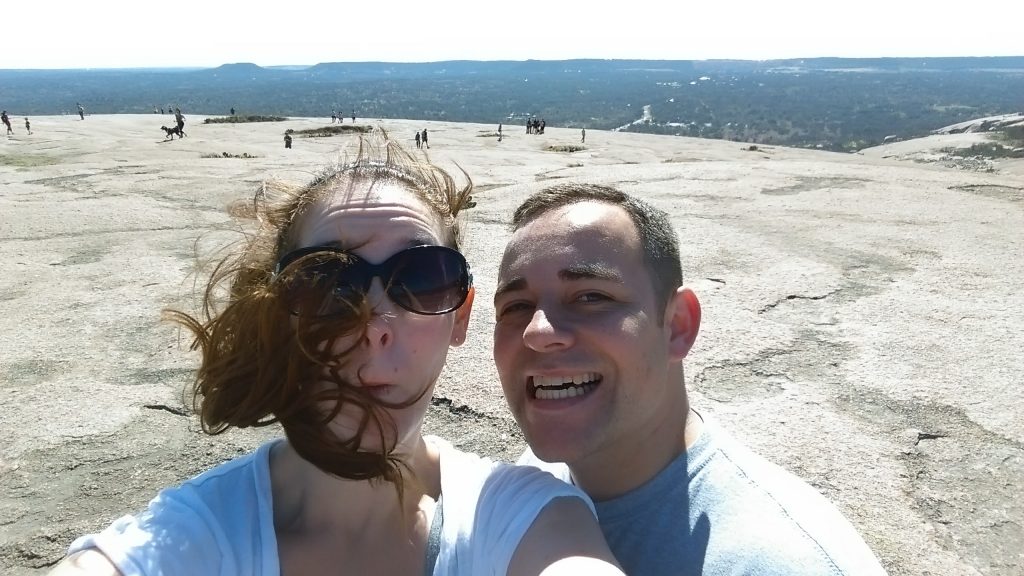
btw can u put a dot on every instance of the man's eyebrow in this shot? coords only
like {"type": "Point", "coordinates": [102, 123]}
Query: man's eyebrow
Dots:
{"type": "Point", "coordinates": [591, 271]}
{"type": "Point", "coordinates": [572, 273]}
{"type": "Point", "coordinates": [510, 286]}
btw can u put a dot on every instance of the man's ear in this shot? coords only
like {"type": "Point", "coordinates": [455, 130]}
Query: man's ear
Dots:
{"type": "Point", "coordinates": [462, 319]}
{"type": "Point", "coordinates": [682, 319]}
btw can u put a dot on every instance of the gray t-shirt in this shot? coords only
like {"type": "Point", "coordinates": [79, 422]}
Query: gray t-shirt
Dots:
{"type": "Point", "coordinates": [720, 509]}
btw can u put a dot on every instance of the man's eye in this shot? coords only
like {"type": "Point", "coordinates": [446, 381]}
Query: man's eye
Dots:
{"type": "Point", "coordinates": [587, 297]}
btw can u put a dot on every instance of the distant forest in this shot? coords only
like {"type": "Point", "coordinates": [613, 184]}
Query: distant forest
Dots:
{"type": "Point", "coordinates": [831, 103]}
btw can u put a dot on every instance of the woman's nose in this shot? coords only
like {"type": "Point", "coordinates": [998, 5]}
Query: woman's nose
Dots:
{"type": "Point", "coordinates": [379, 328]}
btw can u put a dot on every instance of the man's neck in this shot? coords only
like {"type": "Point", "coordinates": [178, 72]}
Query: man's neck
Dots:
{"type": "Point", "coordinates": [636, 461]}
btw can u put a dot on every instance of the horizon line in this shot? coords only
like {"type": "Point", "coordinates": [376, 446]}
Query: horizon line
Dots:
{"type": "Point", "coordinates": [391, 62]}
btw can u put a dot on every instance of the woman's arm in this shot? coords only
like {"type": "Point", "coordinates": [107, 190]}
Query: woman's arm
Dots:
{"type": "Point", "coordinates": [564, 539]}
{"type": "Point", "coordinates": [88, 562]}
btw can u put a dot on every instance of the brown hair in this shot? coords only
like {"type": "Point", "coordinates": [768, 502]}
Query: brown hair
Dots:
{"type": "Point", "coordinates": [657, 237]}
{"type": "Point", "coordinates": [259, 363]}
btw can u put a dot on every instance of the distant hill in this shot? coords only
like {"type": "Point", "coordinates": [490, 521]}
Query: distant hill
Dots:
{"type": "Point", "coordinates": [832, 103]}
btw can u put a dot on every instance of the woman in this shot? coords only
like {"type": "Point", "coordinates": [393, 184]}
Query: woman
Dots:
{"type": "Point", "coordinates": [338, 317]}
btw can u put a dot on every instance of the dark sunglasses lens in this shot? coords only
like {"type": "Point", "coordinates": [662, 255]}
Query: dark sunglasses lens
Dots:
{"type": "Point", "coordinates": [429, 280]}
{"type": "Point", "coordinates": [329, 287]}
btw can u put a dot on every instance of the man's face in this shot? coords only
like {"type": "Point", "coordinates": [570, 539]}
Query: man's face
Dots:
{"type": "Point", "coordinates": [580, 343]}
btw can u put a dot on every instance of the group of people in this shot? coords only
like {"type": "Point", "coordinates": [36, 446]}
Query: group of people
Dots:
{"type": "Point", "coordinates": [337, 117]}
{"type": "Point", "coordinates": [343, 305]}
{"type": "Point", "coordinates": [534, 126]}
{"type": "Point", "coordinates": [7, 123]}
{"type": "Point", "coordinates": [421, 139]}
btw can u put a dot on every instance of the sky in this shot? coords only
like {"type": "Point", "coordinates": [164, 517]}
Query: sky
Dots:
{"type": "Point", "coordinates": [208, 33]}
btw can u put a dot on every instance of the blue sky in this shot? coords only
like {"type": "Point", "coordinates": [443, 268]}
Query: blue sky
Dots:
{"type": "Point", "coordinates": [120, 33]}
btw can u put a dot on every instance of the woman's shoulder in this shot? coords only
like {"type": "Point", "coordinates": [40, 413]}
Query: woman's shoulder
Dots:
{"type": "Point", "coordinates": [488, 507]}
{"type": "Point", "coordinates": [211, 515]}
{"type": "Point", "coordinates": [251, 470]}
{"type": "Point", "coordinates": [455, 459]}
{"type": "Point", "coordinates": [480, 481]}
{"type": "Point", "coordinates": [214, 495]}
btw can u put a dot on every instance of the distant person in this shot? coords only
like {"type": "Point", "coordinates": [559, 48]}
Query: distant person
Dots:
{"type": "Point", "coordinates": [155, 110]}
{"type": "Point", "coordinates": [287, 140]}
{"type": "Point", "coordinates": [28, 126]}
{"type": "Point", "coordinates": [353, 115]}
{"type": "Point", "coordinates": [7, 122]}
{"type": "Point", "coordinates": [179, 120]}
{"type": "Point", "coordinates": [417, 139]}
{"type": "Point", "coordinates": [232, 111]}
{"type": "Point", "coordinates": [81, 111]}
{"type": "Point", "coordinates": [424, 138]}
{"type": "Point", "coordinates": [499, 132]}
{"type": "Point", "coordinates": [583, 135]}
{"type": "Point", "coordinates": [589, 342]}
{"type": "Point", "coordinates": [336, 321]}
{"type": "Point", "coordinates": [334, 117]}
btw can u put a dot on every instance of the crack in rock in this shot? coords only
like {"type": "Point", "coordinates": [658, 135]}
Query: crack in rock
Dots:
{"type": "Point", "coordinates": [166, 408]}
{"type": "Point", "coordinates": [797, 297]}
{"type": "Point", "coordinates": [461, 409]}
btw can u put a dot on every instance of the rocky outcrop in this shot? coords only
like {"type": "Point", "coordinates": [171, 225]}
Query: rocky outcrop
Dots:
{"type": "Point", "coordinates": [989, 124]}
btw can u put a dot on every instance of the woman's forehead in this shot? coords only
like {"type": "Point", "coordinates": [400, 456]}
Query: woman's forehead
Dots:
{"type": "Point", "coordinates": [353, 217]}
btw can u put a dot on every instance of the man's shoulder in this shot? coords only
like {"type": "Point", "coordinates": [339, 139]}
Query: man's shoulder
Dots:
{"type": "Point", "coordinates": [761, 506]}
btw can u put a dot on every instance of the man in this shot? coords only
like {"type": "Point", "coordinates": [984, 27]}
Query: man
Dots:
{"type": "Point", "coordinates": [592, 326]}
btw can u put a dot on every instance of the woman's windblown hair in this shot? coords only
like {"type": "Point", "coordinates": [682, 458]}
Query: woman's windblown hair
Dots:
{"type": "Point", "coordinates": [261, 364]}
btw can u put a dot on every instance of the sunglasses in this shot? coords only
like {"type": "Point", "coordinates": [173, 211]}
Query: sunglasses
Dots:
{"type": "Point", "coordinates": [325, 281]}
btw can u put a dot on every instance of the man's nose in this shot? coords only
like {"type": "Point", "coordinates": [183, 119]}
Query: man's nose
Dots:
{"type": "Point", "coordinates": [545, 333]}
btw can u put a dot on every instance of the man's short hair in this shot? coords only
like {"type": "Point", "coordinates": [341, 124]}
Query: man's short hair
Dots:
{"type": "Point", "coordinates": [657, 237]}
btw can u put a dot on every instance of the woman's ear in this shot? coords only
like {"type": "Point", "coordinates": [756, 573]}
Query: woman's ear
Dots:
{"type": "Point", "coordinates": [682, 321]}
{"type": "Point", "coordinates": [462, 319]}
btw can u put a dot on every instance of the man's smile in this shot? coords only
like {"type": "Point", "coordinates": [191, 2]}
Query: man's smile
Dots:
{"type": "Point", "coordinates": [561, 387]}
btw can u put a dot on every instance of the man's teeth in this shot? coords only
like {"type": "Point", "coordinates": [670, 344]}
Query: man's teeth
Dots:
{"type": "Point", "coordinates": [559, 387]}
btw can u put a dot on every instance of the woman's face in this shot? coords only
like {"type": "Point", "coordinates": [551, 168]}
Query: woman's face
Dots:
{"type": "Point", "coordinates": [402, 353]}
